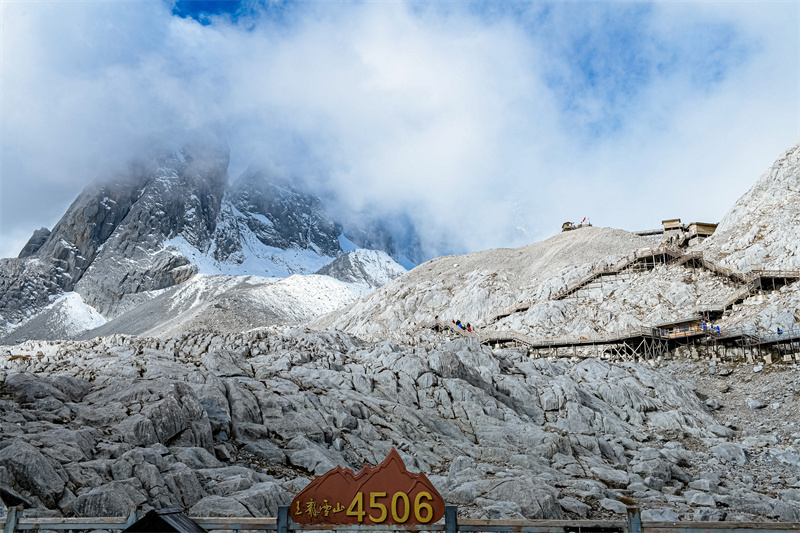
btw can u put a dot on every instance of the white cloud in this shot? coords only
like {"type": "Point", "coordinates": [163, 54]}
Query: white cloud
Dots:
{"type": "Point", "coordinates": [448, 115]}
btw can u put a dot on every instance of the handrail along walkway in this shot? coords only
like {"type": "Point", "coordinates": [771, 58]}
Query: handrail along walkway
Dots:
{"type": "Point", "coordinates": [451, 524]}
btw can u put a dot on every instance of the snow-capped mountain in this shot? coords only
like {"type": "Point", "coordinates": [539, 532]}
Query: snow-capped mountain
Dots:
{"type": "Point", "coordinates": [168, 217]}
{"type": "Point", "coordinates": [370, 268]}
{"type": "Point", "coordinates": [184, 400]}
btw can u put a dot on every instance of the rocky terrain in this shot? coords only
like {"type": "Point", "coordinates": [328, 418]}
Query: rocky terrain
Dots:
{"type": "Point", "coordinates": [234, 425]}
{"type": "Point", "coordinates": [224, 394]}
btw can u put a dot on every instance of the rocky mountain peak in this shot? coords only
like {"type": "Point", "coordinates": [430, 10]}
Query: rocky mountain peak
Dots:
{"type": "Point", "coordinates": [371, 268]}
{"type": "Point", "coordinates": [762, 229]}
{"type": "Point", "coordinates": [282, 215]}
{"type": "Point", "coordinates": [36, 241]}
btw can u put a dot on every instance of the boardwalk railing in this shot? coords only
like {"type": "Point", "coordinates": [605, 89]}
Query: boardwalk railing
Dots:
{"type": "Point", "coordinates": [581, 339]}
{"type": "Point", "coordinates": [676, 256]}
{"type": "Point", "coordinates": [707, 334]}
{"type": "Point", "coordinates": [632, 523]}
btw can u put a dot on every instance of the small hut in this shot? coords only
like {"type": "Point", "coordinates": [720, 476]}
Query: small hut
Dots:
{"type": "Point", "coordinates": [165, 521]}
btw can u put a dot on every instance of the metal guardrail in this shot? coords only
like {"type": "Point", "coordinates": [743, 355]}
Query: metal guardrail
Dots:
{"type": "Point", "coordinates": [451, 524]}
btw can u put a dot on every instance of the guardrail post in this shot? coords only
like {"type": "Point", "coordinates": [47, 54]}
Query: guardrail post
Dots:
{"type": "Point", "coordinates": [283, 519]}
{"type": "Point", "coordinates": [132, 518]}
{"type": "Point", "coordinates": [11, 519]}
{"type": "Point", "coordinates": [450, 518]}
{"type": "Point", "coordinates": [634, 524]}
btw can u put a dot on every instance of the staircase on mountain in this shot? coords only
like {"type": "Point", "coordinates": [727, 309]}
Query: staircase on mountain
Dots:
{"type": "Point", "coordinates": [650, 258]}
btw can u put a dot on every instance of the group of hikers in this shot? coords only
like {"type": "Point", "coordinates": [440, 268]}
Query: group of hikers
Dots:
{"type": "Point", "coordinates": [714, 329]}
{"type": "Point", "coordinates": [466, 326]}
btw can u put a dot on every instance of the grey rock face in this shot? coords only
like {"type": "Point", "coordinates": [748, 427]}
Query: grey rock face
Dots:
{"type": "Point", "coordinates": [181, 196]}
{"type": "Point", "coordinates": [282, 216]}
{"type": "Point", "coordinates": [139, 427]}
{"type": "Point", "coordinates": [26, 285]}
{"type": "Point", "coordinates": [32, 471]}
{"type": "Point", "coordinates": [116, 227]}
{"type": "Point", "coordinates": [35, 242]}
{"type": "Point", "coordinates": [373, 233]}
{"type": "Point", "coordinates": [112, 499]}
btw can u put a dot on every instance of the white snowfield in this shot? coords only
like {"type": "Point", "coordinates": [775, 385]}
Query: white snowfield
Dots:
{"type": "Point", "coordinates": [232, 303]}
{"type": "Point", "coordinates": [220, 302]}
{"type": "Point", "coordinates": [256, 259]}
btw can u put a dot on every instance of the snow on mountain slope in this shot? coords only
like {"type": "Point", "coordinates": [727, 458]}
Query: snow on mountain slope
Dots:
{"type": "Point", "coordinates": [66, 317]}
{"type": "Point", "coordinates": [166, 216]}
{"type": "Point", "coordinates": [474, 287]}
{"type": "Point", "coordinates": [232, 303]}
{"type": "Point", "coordinates": [255, 258]}
{"type": "Point", "coordinates": [762, 229]}
{"type": "Point", "coordinates": [370, 268]}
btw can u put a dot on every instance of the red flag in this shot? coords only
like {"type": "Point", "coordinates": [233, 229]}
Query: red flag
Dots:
{"type": "Point", "coordinates": [584, 220]}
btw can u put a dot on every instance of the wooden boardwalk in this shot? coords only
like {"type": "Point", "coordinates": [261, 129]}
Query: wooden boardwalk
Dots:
{"type": "Point", "coordinates": [643, 342]}
{"type": "Point", "coordinates": [750, 283]}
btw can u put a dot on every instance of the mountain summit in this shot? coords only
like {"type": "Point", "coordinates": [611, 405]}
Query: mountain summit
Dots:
{"type": "Point", "coordinates": [169, 216]}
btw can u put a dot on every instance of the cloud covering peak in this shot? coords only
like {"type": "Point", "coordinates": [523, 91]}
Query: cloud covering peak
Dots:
{"type": "Point", "coordinates": [485, 124]}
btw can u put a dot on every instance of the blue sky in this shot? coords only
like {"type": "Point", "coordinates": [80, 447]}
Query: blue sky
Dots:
{"type": "Point", "coordinates": [500, 119]}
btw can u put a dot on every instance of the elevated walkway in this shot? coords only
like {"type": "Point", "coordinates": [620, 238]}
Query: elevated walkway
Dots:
{"type": "Point", "coordinates": [649, 343]}
{"type": "Point", "coordinates": [641, 342]}
{"type": "Point", "coordinates": [647, 259]}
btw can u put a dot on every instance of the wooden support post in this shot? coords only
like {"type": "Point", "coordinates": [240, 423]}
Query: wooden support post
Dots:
{"type": "Point", "coordinates": [283, 519]}
{"type": "Point", "coordinates": [132, 518]}
{"type": "Point", "coordinates": [450, 518]}
{"type": "Point", "coordinates": [634, 522]}
{"type": "Point", "coordinates": [11, 519]}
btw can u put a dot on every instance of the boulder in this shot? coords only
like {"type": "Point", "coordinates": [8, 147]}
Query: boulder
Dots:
{"type": "Point", "coordinates": [111, 499]}
{"type": "Point", "coordinates": [755, 404]}
{"type": "Point", "coordinates": [709, 515]}
{"type": "Point", "coordinates": [219, 506]}
{"type": "Point", "coordinates": [535, 500]}
{"type": "Point", "coordinates": [697, 498]}
{"type": "Point", "coordinates": [614, 506]}
{"type": "Point", "coordinates": [729, 452]}
{"type": "Point", "coordinates": [610, 476]}
{"type": "Point", "coordinates": [263, 499]}
{"type": "Point", "coordinates": [32, 471]}
{"type": "Point", "coordinates": [195, 457]}
{"type": "Point", "coordinates": [660, 515]}
{"type": "Point", "coordinates": [575, 506]}
{"type": "Point", "coordinates": [27, 388]}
